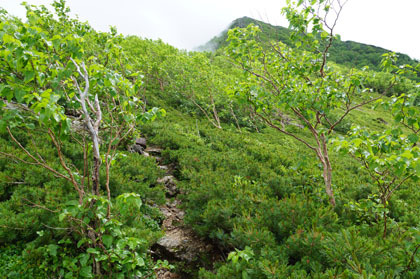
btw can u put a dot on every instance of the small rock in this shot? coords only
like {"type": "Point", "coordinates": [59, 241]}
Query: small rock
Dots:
{"type": "Point", "coordinates": [164, 167]}
{"type": "Point", "coordinates": [172, 240]}
{"type": "Point", "coordinates": [166, 212]}
{"type": "Point", "coordinates": [182, 244]}
{"type": "Point", "coordinates": [180, 215]}
{"type": "Point", "coordinates": [170, 185]}
{"type": "Point", "coordinates": [136, 148]}
{"type": "Point", "coordinates": [173, 203]}
{"type": "Point", "coordinates": [154, 150]}
{"type": "Point", "coordinates": [166, 179]}
{"type": "Point", "coordinates": [163, 273]}
{"type": "Point", "coordinates": [141, 141]}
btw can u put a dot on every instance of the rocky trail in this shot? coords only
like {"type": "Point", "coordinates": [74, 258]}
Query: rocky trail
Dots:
{"type": "Point", "coordinates": [180, 246]}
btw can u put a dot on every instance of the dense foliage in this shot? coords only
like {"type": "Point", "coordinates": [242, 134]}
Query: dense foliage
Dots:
{"type": "Point", "coordinates": [73, 208]}
{"type": "Point", "coordinates": [53, 79]}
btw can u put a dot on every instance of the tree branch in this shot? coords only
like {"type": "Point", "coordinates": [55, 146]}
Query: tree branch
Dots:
{"type": "Point", "coordinates": [266, 120]}
{"type": "Point", "coordinates": [348, 110]}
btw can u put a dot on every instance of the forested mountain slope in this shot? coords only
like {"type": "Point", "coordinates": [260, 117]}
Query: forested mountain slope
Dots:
{"type": "Point", "coordinates": [348, 53]}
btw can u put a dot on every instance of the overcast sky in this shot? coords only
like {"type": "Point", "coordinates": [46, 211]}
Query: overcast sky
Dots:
{"type": "Point", "coordinates": [187, 24]}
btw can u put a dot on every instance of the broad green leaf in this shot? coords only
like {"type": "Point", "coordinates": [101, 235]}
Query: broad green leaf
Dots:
{"type": "Point", "coordinates": [413, 138]}
{"type": "Point", "coordinates": [19, 95]}
{"type": "Point", "coordinates": [81, 242]}
{"type": "Point", "coordinates": [140, 260]}
{"type": "Point", "coordinates": [86, 272]}
{"type": "Point", "coordinates": [107, 240]}
{"type": "Point", "coordinates": [52, 249]}
{"type": "Point", "coordinates": [84, 258]}
{"type": "Point", "coordinates": [29, 76]}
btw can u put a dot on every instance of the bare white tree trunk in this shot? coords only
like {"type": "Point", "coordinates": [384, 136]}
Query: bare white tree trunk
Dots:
{"type": "Point", "coordinates": [215, 114]}
{"type": "Point", "coordinates": [91, 124]}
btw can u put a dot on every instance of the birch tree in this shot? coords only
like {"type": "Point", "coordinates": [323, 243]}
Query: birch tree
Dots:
{"type": "Point", "coordinates": [297, 81]}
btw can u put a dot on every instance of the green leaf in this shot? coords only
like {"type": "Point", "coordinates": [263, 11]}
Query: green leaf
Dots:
{"type": "Point", "coordinates": [8, 39]}
{"type": "Point", "coordinates": [357, 142]}
{"type": "Point", "coordinates": [29, 76]}
{"type": "Point", "coordinates": [8, 93]}
{"type": "Point", "coordinates": [19, 95]}
{"type": "Point", "coordinates": [84, 258]}
{"type": "Point", "coordinates": [140, 261]}
{"type": "Point", "coordinates": [81, 242]}
{"type": "Point", "coordinates": [72, 203]}
{"type": "Point", "coordinates": [86, 272]}
{"type": "Point", "coordinates": [62, 216]}
{"type": "Point", "coordinates": [2, 86]}
{"type": "Point", "coordinates": [407, 154]}
{"type": "Point", "coordinates": [413, 138]}
{"type": "Point", "coordinates": [92, 251]}
{"type": "Point", "coordinates": [138, 202]}
{"type": "Point", "coordinates": [107, 240]}
{"type": "Point", "coordinates": [52, 249]}
{"type": "Point", "coordinates": [30, 126]}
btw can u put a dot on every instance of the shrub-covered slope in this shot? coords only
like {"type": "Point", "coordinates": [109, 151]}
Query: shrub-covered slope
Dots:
{"type": "Point", "coordinates": [255, 193]}
{"type": "Point", "coordinates": [261, 193]}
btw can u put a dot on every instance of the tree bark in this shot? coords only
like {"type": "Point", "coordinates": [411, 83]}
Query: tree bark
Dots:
{"type": "Point", "coordinates": [327, 174]}
{"type": "Point", "coordinates": [95, 175]}
{"type": "Point", "coordinates": [327, 169]}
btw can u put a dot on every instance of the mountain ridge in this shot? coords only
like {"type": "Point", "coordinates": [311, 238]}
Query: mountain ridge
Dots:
{"type": "Point", "coordinates": [348, 53]}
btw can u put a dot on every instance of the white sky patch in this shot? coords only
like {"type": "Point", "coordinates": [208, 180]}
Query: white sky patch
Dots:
{"type": "Point", "coordinates": [187, 24]}
{"type": "Point", "coordinates": [389, 24]}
